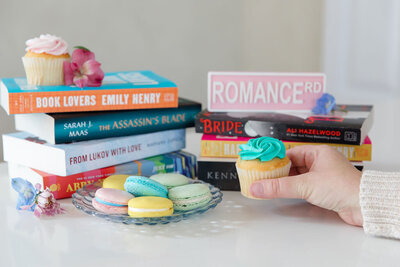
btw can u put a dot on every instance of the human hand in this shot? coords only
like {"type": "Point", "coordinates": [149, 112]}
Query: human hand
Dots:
{"type": "Point", "coordinates": [322, 176]}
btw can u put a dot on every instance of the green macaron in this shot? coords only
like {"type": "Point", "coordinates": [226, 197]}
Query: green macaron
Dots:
{"type": "Point", "coordinates": [190, 196]}
{"type": "Point", "coordinates": [170, 180]}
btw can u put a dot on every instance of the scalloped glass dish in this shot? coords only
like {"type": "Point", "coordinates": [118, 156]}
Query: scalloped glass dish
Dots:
{"type": "Point", "coordinates": [82, 200]}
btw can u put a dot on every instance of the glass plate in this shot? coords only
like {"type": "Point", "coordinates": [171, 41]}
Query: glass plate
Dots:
{"type": "Point", "coordinates": [82, 199]}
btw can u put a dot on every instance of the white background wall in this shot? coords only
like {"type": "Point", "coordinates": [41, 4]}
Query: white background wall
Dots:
{"type": "Point", "coordinates": [179, 39]}
{"type": "Point", "coordinates": [361, 57]}
{"type": "Point", "coordinates": [362, 46]}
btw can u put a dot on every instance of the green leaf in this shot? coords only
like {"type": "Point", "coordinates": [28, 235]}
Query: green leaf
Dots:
{"type": "Point", "coordinates": [81, 47]}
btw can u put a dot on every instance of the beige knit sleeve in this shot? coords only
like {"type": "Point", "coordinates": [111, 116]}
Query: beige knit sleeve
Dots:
{"type": "Point", "coordinates": [380, 203]}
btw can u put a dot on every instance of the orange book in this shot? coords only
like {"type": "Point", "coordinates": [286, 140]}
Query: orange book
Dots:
{"type": "Point", "coordinates": [228, 147]}
{"type": "Point", "coordinates": [119, 91]}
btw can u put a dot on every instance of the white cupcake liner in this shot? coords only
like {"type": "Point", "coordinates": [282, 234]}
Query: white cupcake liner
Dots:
{"type": "Point", "coordinates": [44, 71]}
{"type": "Point", "coordinates": [247, 177]}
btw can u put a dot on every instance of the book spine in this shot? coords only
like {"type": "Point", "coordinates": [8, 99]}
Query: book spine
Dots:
{"type": "Point", "coordinates": [108, 125]}
{"type": "Point", "coordinates": [92, 100]}
{"type": "Point", "coordinates": [230, 149]}
{"type": "Point", "coordinates": [124, 149]}
{"type": "Point", "coordinates": [153, 165]}
{"type": "Point", "coordinates": [223, 174]}
{"type": "Point", "coordinates": [65, 186]}
{"type": "Point", "coordinates": [68, 159]}
{"type": "Point", "coordinates": [220, 174]}
{"type": "Point", "coordinates": [291, 132]}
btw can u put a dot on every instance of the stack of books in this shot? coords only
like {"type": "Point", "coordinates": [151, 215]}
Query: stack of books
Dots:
{"type": "Point", "coordinates": [345, 129]}
{"type": "Point", "coordinates": [69, 137]}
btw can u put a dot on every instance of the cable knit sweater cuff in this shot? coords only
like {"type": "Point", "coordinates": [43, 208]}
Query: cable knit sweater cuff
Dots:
{"type": "Point", "coordinates": [380, 203]}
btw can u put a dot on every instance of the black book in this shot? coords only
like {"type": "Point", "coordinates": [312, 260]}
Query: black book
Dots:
{"type": "Point", "coordinates": [222, 172]}
{"type": "Point", "coordinates": [350, 125]}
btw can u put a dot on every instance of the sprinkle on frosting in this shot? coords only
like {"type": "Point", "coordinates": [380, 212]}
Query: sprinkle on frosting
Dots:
{"type": "Point", "coordinates": [263, 148]}
{"type": "Point", "coordinates": [48, 44]}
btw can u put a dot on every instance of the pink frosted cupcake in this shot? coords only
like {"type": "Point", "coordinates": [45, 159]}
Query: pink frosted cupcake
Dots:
{"type": "Point", "coordinates": [44, 59]}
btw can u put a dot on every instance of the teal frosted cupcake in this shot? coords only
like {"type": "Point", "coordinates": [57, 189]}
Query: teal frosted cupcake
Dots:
{"type": "Point", "coordinates": [261, 158]}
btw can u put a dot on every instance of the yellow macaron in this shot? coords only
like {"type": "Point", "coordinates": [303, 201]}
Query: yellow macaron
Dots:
{"type": "Point", "coordinates": [140, 207]}
{"type": "Point", "coordinates": [115, 181]}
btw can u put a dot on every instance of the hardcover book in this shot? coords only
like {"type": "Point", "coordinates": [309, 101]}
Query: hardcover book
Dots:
{"type": "Point", "coordinates": [228, 147]}
{"type": "Point", "coordinates": [67, 159]}
{"type": "Point", "coordinates": [350, 125]}
{"type": "Point", "coordinates": [221, 172]}
{"type": "Point", "coordinates": [120, 90]}
{"type": "Point", "coordinates": [65, 186]}
{"type": "Point", "coordinates": [58, 128]}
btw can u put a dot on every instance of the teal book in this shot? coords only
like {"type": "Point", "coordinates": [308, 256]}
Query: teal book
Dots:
{"type": "Point", "coordinates": [59, 128]}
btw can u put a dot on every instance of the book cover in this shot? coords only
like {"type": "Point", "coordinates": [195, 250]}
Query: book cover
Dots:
{"type": "Point", "coordinates": [65, 186]}
{"type": "Point", "coordinates": [68, 159]}
{"type": "Point", "coordinates": [120, 90]}
{"type": "Point", "coordinates": [348, 126]}
{"type": "Point", "coordinates": [221, 172]}
{"type": "Point", "coordinates": [58, 128]}
{"type": "Point", "coordinates": [191, 164]}
{"type": "Point", "coordinates": [228, 147]}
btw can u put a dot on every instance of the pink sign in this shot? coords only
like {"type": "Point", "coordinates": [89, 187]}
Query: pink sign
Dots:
{"type": "Point", "coordinates": [263, 91]}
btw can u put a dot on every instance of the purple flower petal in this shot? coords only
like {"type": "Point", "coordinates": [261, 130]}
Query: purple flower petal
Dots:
{"type": "Point", "coordinates": [68, 73]}
{"type": "Point", "coordinates": [83, 70]}
{"type": "Point", "coordinates": [96, 79]}
{"type": "Point", "coordinates": [81, 81]}
{"type": "Point", "coordinates": [90, 67]}
{"type": "Point", "coordinates": [80, 56]}
{"type": "Point", "coordinates": [38, 211]}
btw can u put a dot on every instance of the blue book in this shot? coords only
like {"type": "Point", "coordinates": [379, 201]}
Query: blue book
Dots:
{"type": "Point", "coordinates": [58, 128]}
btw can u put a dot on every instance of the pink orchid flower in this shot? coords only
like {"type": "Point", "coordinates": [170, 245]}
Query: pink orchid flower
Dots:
{"type": "Point", "coordinates": [83, 70]}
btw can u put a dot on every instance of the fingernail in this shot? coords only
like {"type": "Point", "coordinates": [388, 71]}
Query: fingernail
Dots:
{"type": "Point", "coordinates": [257, 189]}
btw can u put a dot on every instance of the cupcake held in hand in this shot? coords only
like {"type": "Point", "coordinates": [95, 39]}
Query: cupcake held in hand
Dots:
{"type": "Point", "coordinates": [261, 158]}
{"type": "Point", "coordinates": [44, 59]}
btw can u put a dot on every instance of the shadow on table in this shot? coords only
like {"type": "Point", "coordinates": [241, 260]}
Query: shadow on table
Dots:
{"type": "Point", "coordinates": [307, 212]}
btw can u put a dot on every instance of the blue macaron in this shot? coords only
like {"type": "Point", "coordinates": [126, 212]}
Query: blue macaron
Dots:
{"type": "Point", "coordinates": [142, 186]}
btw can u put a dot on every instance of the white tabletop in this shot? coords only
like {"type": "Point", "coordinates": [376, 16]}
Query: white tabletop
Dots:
{"type": "Point", "coordinates": [238, 232]}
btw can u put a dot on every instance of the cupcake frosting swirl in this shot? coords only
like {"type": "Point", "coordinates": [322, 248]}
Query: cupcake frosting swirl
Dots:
{"type": "Point", "coordinates": [263, 148]}
{"type": "Point", "coordinates": [48, 44]}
